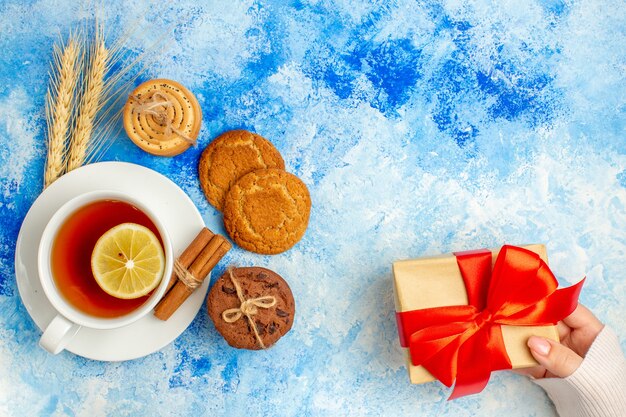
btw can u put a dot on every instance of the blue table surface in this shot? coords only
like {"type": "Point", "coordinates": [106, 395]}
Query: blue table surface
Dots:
{"type": "Point", "coordinates": [419, 128]}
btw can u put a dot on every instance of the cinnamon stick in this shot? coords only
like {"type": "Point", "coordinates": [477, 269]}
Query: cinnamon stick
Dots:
{"type": "Point", "coordinates": [192, 251]}
{"type": "Point", "coordinates": [215, 258]}
{"type": "Point", "coordinates": [200, 268]}
{"type": "Point", "coordinates": [204, 256]}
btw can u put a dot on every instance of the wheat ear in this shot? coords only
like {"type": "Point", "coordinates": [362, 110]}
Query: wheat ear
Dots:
{"type": "Point", "coordinates": [90, 102]}
{"type": "Point", "coordinates": [63, 80]}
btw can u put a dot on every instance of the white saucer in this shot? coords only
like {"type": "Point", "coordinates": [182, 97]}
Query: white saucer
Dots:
{"type": "Point", "coordinates": [179, 215]}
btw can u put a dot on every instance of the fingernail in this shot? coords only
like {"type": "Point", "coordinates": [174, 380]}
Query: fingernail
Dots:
{"type": "Point", "coordinates": [539, 345]}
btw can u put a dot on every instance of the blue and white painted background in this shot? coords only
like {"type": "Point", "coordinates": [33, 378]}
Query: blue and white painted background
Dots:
{"type": "Point", "coordinates": [419, 127]}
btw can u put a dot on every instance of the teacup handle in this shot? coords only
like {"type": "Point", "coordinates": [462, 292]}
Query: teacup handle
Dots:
{"type": "Point", "coordinates": [58, 333]}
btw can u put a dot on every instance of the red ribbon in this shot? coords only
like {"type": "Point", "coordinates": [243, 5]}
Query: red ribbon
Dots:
{"type": "Point", "coordinates": [465, 342]}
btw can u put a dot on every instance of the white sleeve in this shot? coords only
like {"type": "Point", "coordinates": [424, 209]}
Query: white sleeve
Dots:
{"type": "Point", "coordinates": [598, 387]}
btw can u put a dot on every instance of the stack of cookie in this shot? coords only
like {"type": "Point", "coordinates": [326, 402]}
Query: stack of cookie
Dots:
{"type": "Point", "coordinates": [251, 307]}
{"type": "Point", "coordinates": [266, 209]}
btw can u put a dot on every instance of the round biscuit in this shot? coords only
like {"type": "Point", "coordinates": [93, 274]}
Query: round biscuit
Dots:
{"type": "Point", "coordinates": [229, 157]}
{"type": "Point", "coordinates": [150, 134]}
{"type": "Point", "coordinates": [267, 211]}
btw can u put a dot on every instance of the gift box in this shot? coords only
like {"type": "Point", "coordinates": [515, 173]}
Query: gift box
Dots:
{"type": "Point", "coordinates": [462, 315]}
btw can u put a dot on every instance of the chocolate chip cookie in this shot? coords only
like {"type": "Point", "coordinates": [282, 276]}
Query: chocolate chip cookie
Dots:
{"type": "Point", "coordinates": [251, 307]}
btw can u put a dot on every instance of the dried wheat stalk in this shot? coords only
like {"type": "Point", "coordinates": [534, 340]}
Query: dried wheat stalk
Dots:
{"type": "Point", "coordinates": [90, 102]}
{"type": "Point", "coordinates": [85, 96]}
{"type": "Point", "coordinates": [64, 77]}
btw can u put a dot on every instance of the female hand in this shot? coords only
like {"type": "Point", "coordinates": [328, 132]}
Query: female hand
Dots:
{"type": "Point", "coordinates": [577, 332]}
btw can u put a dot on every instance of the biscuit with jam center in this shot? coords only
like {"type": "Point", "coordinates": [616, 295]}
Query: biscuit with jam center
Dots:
{"type": "Point", "coordinates": [229, 157]}
{"type": "Point", "coordinates": [269, 305]}
{"type": "Point", "coordinates": [267, 211]}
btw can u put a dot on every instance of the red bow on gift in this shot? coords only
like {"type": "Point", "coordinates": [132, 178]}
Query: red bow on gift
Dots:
{"type": "Point", "coordinates": [465, 342]}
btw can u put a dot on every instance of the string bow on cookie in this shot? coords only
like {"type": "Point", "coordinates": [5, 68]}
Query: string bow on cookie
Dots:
{"type": "Point", "coordinates": [156, 106]}
{"type": "Point", "coordinates": [247, 308]}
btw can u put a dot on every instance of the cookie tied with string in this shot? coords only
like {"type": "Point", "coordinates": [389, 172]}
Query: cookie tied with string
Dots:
{"type": "Point", "coordinates": [162, 117]}
{"type": "Point", "coordinates": [251, 307]}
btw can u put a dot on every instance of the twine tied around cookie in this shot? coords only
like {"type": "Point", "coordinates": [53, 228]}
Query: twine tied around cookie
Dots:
{"type": "Point", "coordinates": [156, 106]}
{"type": "Point", "coordinates": [247, 308]}
{"type": "Point", "coordinates": [185, 276]}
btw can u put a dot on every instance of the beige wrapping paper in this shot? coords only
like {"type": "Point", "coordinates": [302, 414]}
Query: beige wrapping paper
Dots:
{"type": "Point", "coordinates": [436, 282]}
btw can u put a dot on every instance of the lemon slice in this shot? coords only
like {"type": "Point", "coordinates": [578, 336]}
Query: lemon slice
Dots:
{"type": "Point", "coordinates": [128, 261]}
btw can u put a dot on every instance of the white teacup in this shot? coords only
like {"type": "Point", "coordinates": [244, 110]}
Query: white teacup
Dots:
{"type": "Point", "coordinates": [69, 319]}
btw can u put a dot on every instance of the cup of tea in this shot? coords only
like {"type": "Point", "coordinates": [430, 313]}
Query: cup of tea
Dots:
{"type": "Point", "coordinates": [65, 271]}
